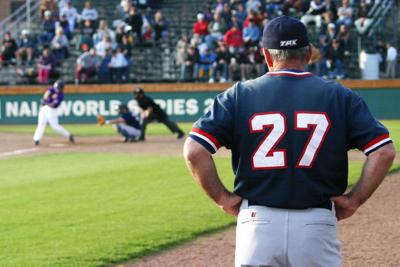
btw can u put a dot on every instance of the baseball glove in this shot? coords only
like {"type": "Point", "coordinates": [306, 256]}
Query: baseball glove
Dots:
{"type": "Point", "coordinates": [101, 120]}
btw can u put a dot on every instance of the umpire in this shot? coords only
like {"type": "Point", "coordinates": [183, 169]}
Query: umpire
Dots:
{"type": "Point", "coordinates": [151, 111]}
{"type": "Point", "coordinates": [289, 132]}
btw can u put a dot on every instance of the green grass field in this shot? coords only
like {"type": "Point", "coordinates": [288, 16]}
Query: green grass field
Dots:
{"type": "Point", "coordinates": [83, 209]}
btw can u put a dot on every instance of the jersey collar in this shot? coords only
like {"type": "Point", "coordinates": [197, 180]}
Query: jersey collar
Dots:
{"type": "Point", "coordinates": [290, 72]}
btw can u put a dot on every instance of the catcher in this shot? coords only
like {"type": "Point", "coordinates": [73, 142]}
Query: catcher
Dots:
{"type": "Point", "coordinates": [127, 124]}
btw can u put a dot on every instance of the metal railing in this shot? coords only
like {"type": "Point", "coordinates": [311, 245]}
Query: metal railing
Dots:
{"type": "Point", "coordinates": [20, 18]}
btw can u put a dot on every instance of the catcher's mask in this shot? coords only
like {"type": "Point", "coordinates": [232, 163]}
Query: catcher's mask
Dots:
{"type": "Point", "coordinates": [123, 108]}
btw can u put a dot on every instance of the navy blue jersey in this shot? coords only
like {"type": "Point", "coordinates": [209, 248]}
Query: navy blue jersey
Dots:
{"type": "Point", "coordinates": [131, 120]}
{"type": "Point", "coordinates": [289, 133]}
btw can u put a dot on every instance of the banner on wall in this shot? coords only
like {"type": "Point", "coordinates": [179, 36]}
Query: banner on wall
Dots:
{"type": "Point", "coordinates": [180, 106]}
{"type": "Point", "coordinates": [83, 108]}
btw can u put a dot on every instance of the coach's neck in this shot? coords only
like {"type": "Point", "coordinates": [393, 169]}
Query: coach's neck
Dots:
{"type": "Point", "coordinates": [294, 64]}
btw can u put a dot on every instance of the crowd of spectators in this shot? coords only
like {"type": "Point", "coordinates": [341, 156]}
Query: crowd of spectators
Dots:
{"type": "Point", "coordinates": [105, 52]}
{"type": "Point", "coordinates": [225, 41]}
{"type": "Point", "coordinates": [224, 45]}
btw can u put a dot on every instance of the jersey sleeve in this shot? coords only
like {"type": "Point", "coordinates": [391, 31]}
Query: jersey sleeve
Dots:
{"type": "Point", "coordinates": [215, 128]}
{"type": "Point", "coordinates": [365, 132]}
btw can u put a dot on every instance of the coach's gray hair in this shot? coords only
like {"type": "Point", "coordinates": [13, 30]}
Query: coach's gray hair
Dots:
{"type": "Point", "coordinates": [289, 54]}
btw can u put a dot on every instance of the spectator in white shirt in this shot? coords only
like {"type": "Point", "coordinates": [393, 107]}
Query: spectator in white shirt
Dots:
{"type": "Point", "coordinates": [71, 14]}
{"type": "Point", "coordinates": [391, 61]}
{"type": "Point", "coordinates": [59, 45]}
{"type": "Point", "coordinates": [104, 45]}
{"type": "Point", "coordinates": [118, 66]}
{"type": "Point", "coordinates": [345, 14]}
{"type": "Point", "coordinates": [314, 13]}
{"type": "Point", "coordinates": [89, 13]}
{"type": "Point", "coordinates": [102, 31]}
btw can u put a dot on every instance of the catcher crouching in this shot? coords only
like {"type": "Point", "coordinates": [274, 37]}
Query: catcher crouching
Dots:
{"type": "Point", "coordinates": [127, 124]}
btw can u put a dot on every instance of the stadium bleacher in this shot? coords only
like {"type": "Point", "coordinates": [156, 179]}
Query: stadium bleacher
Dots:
{"type": "Point", "coordinates": [155, 63]}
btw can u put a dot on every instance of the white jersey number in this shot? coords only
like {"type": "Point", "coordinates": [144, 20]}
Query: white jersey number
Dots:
{"type": "Point", "coordinates": [267, 157]}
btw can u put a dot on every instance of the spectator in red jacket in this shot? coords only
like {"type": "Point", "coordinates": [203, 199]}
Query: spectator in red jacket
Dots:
{"type": "Point", "coordinates": [200, 27]}
{"type": "Point", "coordinates": [233, 39]}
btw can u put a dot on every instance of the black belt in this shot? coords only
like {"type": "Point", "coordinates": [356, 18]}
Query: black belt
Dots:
{"type": "Point", "coordinates": [326, 205]}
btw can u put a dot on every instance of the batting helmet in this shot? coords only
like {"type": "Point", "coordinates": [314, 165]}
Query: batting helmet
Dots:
{"type": "Point", "coordinates": [59, 85]}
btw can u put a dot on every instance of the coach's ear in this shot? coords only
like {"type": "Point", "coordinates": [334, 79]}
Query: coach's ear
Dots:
{"type": "Point", "coordinates": [310, 55]}
{"type": "Point", "coordinates": [268, 58]}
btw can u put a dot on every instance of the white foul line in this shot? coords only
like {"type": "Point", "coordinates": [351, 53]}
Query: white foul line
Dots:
{"type": "Point", "coordinates": [18, 152]}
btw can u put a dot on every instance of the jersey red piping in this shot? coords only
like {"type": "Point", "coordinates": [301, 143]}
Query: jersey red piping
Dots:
{"type": "Point", "coordinates": [209, 136]}
{"type": "Point", "coordinates": [375, 141]}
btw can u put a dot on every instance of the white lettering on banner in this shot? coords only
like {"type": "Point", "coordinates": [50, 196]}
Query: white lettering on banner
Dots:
{"type": "Point", "coordinates": [92, 108]}
{"type": "Point", "coordinates": [25, 110]}
{"type": "Point", "coordinates": [192, 106]}
{"type": "Point", "coordinates": [133, 106]}
{"type": "Point", "coordinates": [112, 107]}
{"type": "Point", "coordinates": [102, 108]}
{"type": "Point", "coordinates": [65, 108]}
{"type": "Point", "coordinates": [78, 108]}
{"type": "Point", "coordinates": [12, 109]}
{"type": "Point", "coordinates": [207, 104]}
{"type": "Point", "coordinates": [179, 107]}
{"type": "Point", "coordinates": [34, 109]}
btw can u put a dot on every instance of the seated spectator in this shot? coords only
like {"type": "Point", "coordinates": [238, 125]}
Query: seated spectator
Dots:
{"type": "Point", "coordinates": [254, 16]}
{"type": "Point", "coordinates": [59, 45]}
{"type": "Point", "coordinates": [50, 5]}
{"type": "Point", "coordinates": [118, 67]}
{"type": "Point", "coordinates": [104, 45]}
{"type": "Point", "coordinates": [8, 50]}
{"type": "Point", "coordinates": [181, 49]}
{"type": "Point", "coordinates": [257, 61]}
{"type": "Point", "coordinates": [104, 73]}
{"type": "Point", "coordinates": [102, 31]}
{"type": "Point", "coordinates": [160, 28]}
{"type": "Point", "coordinates": [251, 34]}
{"type": "Point", "coordinates": [274, 7]}
{"type": "Point", "coordinates": [219, 6]}
{"type": "Point", "coordinates": [48, 28]}
{"type": "Point", "coordinates": [314, 13]}
{"type": "Point", "coordinates": [71, 14]}
{"type": "Point", "coordinates": [191, 67]}
{"type": "Point", "coordinates": [26, 50]}
{"type": "Point", "coordinates": [86, 65]}
{"type": "Point", "coordinates": [226, 15]}
{"type": "Point", "coordinates": [46, 64]}
{"type": "Point", "coordinates": [220, 66]}
{"type": "Point", "coordinates": [64, 24]}
{"type": "Point", "coordinates": [200, 27]}
{"type": "Point", "coordinates": [363, 22]}
{"type": "Point", "coordinates": [240, 14]}
{"type": "Point", "coordinates": [334, 60]}
{"type": "Point", "coordinates": [253, 5]}
{"type": "Point", "coordinates": [135, 20]}
{"type": "Point", "coordinates": [89, 13]}
{"type": "Point", "coordinates": [344, 38]}
{"type": "Point", "coordinates": [207, 60]}
{"type": "Point", "coordinates": [234, 39]}
{"type": "Point", "coordinates": [345, 14]}
{"type": "Point", "coordinates": [291, 7]}
{"type": "Point", "coordinates": [126, 48]}
{"type": "Point", "coordinates": [216, 28]}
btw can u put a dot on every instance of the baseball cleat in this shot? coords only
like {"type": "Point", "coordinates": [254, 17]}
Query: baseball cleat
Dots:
{"type": "Point", "coordinates": [180, 135]}
{"type": "Point", "coordinates": [71, 139]}
{"type": "Point", "coordinates": [36, 143]}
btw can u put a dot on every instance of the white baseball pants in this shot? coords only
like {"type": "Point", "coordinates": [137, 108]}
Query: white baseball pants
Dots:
{"type": "Point", "coordinates": [287, 238]}
{"type": "Point", "coordinates": [48, 115]}
{"type": "Point", "coordinates": [128, 131]}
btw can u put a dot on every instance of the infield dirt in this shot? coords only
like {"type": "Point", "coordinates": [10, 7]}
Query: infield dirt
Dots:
{"type": "Point", "coordinates": [370, 238]}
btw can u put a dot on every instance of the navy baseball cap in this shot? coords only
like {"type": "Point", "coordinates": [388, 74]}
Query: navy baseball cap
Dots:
{"type": "Point", "coordinates": [284, 33]}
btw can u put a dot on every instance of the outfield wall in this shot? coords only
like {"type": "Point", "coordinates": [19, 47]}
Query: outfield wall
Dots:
{"type": "Point", "coordinates": [182, 101]}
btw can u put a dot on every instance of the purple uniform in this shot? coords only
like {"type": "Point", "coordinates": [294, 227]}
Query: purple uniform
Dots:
{"type": "Point", "coordinates": [53, 97]}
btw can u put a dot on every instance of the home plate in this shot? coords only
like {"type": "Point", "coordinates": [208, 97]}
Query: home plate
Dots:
{"type": "Point", "coordinates": [57, 145]}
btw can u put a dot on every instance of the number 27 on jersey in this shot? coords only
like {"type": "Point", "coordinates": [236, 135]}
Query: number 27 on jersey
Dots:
{"type": "Point", "coordinates": [267, 157]}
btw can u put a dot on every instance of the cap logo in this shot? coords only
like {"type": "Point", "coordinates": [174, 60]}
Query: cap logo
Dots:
{"type": "Point", "coordinates": [289, 43]}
